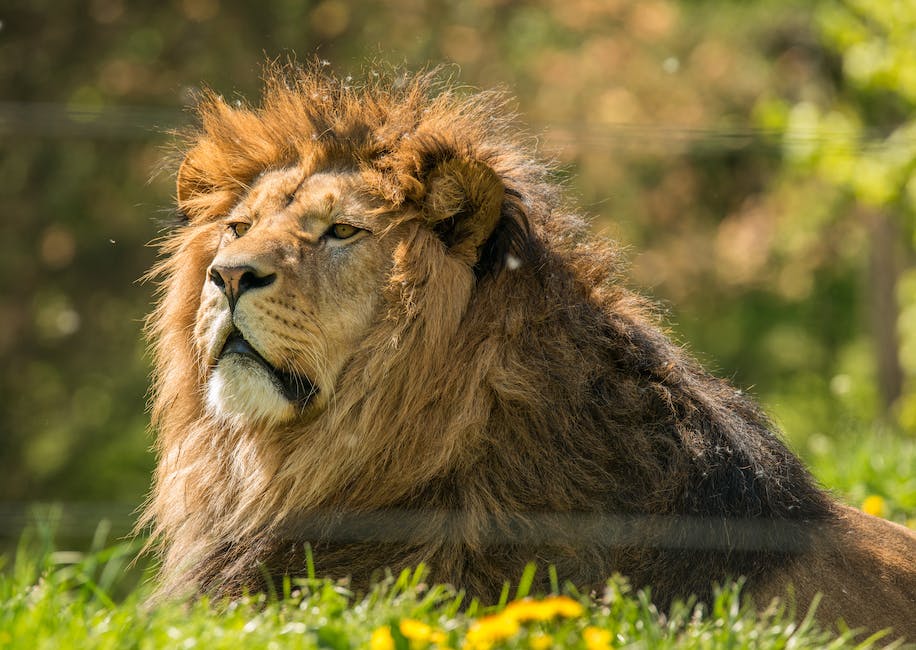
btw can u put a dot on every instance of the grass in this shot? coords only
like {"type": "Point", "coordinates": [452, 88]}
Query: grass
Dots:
{"type": "Point", "coordinates": [858, 469]}
{"type": "Point", "coordinates": [53, 599]}
{"type": "Point", "coordinates": [59, 599]}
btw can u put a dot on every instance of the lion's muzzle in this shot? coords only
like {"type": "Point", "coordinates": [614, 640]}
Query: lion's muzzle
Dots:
{"type": "Point", "coordinates": [295, 388]}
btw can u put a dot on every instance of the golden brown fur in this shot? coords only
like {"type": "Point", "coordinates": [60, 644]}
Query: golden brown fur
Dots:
{"type": "Point", "coordinates": [484, 392]}
{"type": "Point", "coordinates": [863, 567]}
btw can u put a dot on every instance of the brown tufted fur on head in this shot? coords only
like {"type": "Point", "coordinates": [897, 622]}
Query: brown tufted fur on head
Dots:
{"type": "Point", "coordinates": [381, 331]}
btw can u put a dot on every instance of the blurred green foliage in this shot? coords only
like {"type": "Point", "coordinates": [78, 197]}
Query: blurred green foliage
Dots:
{"type": "Point", "coordinates": [850, 154]}
{"type": "Point", "coordinates": [757, 158]}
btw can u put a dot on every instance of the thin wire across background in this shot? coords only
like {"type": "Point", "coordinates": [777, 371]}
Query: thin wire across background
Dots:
{"type": "Point", "coordinates": [61, 120]}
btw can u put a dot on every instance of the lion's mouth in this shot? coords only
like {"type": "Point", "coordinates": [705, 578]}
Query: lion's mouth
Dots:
{"type": "Point", "coordinates": [296, 388]}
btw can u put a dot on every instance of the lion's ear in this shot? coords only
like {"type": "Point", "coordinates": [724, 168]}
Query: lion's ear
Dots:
{"type": "Point", "coordinates": [463, 203]}
{"type": "Point", "coordinates": [187, 183]}
{"type": "Point", "coordinates": [195, 192]}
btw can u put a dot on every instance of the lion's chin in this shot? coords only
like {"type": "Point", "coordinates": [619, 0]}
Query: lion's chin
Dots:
{"type": "Point", "coordinates": [242, 390]}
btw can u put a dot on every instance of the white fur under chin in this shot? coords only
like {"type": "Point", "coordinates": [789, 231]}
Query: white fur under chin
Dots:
{"type": "Point", "coordinates": [241, 391]}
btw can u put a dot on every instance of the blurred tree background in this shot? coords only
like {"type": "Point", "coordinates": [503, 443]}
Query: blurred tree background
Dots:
{"type": "Point", "coordinates": [757, 158]}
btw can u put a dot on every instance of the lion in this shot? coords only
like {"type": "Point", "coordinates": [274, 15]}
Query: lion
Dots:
{"type": "Point", "coordinates": [383, 332]}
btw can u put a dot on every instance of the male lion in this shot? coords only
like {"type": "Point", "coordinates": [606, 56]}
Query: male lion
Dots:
{"type": "Point", "coordinates": [381, 331]}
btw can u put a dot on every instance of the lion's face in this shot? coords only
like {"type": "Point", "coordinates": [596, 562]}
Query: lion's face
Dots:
{"type": "Point", "coordinates": [294, 284]}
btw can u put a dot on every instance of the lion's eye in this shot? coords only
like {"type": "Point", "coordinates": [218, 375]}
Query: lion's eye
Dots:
{"type": "Point", "coordinates": [342, 231]}
{"type": "Point", "coordinates": [239, 228]}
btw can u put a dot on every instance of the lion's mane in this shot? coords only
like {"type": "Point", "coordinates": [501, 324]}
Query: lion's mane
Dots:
{"type": "Point", "coordinates": [512, 403]}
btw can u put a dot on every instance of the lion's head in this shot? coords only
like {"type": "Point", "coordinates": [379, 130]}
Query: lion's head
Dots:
{"type": "Point", "coordinates": [304, 227]}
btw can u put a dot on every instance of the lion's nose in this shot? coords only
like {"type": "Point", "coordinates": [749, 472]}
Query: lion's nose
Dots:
{"type": "Point", "coordinates": [233, 281]}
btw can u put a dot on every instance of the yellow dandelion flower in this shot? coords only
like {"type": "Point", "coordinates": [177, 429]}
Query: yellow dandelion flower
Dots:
{"type": "Point", "coordinates": [529, 610]}
{"type": "Point", "coordinates": [489, 629]}
{"type": "Point", "coordinates": [540, 641]}
{"type": "Point", "coordinates": [565, 606]}
{"type": "Point", "coordinates": [543, 610]}
{"type": "Point", "coordinates": [874, 505]}
{"type": "Point", "coordinates": [596, 639]}
{"type": "Point", "coordinates": [414, 629]}
{"type": "Point", "coordinates": [381, 639]}
{"type": "Point", "coordinates": [419, 633]}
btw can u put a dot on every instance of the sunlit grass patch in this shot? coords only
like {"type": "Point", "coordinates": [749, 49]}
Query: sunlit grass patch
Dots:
{"type": "Point", "coordinates": [871, 469]}
{"type": "Point", "coordinates": [50, 599]}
